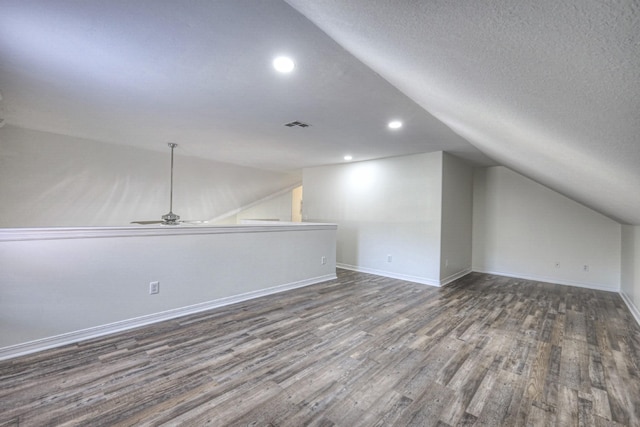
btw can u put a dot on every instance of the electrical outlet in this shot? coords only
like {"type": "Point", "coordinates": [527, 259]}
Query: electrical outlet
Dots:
{"type": "Point", "coordinates": [323, 260]}
{"type": "Point", "coordinates": [557, 265]}
{"type": "Point", "coordinates": [585, 267]}
{"type": "Point", "coordinates": [154, 288]}
{"type": "Point", "coordinates": [389, 258]}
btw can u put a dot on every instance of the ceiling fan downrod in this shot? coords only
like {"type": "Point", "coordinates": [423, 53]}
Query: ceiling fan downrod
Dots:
{"type": "Point", "coordinates": [171, 218]}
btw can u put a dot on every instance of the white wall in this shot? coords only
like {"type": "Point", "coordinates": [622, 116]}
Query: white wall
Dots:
{"type": "Point", "coordinates": [58, 281]}
{"type": "Point", "coordinates": [280, 206]}
{"type": "Point", "coordinates": [521, 228]}
{"type": "Point", "coordinates": [53, 180]}
{"type": "Point", "coordinates": [382, 207]}
{"type": "Point", "coordinates": [630, 274]}
{"type": "Point", "coordinates": [277, 208]}
{"type": "Point", "coordinates": [457, 218]}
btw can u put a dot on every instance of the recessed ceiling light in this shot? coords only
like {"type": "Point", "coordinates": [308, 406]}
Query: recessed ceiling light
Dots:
{"type": "Point", "coordinates": [396, 124]}
{"type": "Point", "coordinates": [348, 157]}
{"type": "Point", "coordinates": [283, 64]}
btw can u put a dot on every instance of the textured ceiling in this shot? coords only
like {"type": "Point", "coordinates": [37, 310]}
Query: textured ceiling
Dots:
{"type": "Point", "coordinates": [199, 73]}
{"type": "Point", "coordinates": [550, 89]}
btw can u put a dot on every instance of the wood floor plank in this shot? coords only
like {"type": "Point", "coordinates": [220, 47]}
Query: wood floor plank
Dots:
{"type": "Point", "coordinates": [361, 350]}
{"type": "Point", "coordinates": [567, 406]}
{"type": "Point", "coordinates": [464, 387]}
{"type": "Point", "coordinates": [426, 409]}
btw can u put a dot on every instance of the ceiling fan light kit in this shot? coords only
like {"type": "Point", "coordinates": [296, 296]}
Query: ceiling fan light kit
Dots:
{"type": "Point", "coordinates": [170, 219]}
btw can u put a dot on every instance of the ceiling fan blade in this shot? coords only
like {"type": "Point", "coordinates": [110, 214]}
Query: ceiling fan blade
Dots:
{"type": "Point", "coordinates": [186, 222]}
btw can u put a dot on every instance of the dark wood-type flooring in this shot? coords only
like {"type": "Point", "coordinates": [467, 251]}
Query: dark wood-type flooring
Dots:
{"type": "Point", "coordinates": [361, 350]}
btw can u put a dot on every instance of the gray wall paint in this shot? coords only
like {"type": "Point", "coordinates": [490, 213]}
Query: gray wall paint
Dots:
{"type": "Point", "coordinates": [53, 180]}
{"type": "Point", "coordinates": [457, 218]}
{"type": "Point", "coordinates": [382, 207]}
{"type": "Point", "coordinates": [57, 286]}
{"type": "Point", "coordinates": [630, 275]}
{"type": "Point", "coordinates": [521, 228]}
{"type": "Point", "coordinates": [276, 208]}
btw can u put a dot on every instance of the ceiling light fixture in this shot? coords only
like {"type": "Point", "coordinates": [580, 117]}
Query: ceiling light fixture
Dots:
{"type": "Point", "coordinates": [396, 124]}
{"type": "Point", "coordinates": [283, 64]}
{"type": "Point", "coordinates": [348, 157]}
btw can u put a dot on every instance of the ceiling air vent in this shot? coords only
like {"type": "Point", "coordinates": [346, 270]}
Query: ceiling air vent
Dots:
{"type": "Point", "coordinates": [297, 123]}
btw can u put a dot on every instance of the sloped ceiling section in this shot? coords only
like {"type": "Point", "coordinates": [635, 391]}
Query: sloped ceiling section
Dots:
{"type": "Point", "coordinates": [93, 90]}
{"type": "Point", "coordinates": [199, 73]}
{"type": "Point", "coordinates": [548, 88]}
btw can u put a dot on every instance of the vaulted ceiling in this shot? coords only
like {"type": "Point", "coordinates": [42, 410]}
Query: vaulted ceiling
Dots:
{"type": "Point", "coordinates": [550, 89]}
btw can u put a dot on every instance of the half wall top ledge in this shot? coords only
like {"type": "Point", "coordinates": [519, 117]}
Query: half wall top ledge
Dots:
{"type": "Point", "coordinates": [57, 233]}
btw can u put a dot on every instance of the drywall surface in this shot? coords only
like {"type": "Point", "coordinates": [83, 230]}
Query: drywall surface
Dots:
{"type": "Point", "coordinates": [55, 281]}
{"type": "Point", "coordinates": [548, 88]}
{"type": "Point", "coordinates": [457, 218]}
{"type": "Point", "coordinates": [387, 211]}
{"type": "Point", "coordinates": [277, 208]}
{"type": "Point", "coordinates": [52, 180]}
{"type": "Point", "coordinates": [630, 274]}
{"type": "Point", "coordinates": [523, 229]}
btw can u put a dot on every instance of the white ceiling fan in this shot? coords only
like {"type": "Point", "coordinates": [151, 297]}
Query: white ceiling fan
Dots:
{"type": "Point", "coordinates": [169, 218]}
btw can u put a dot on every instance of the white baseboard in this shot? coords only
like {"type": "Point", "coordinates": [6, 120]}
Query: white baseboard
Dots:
{"type": "Point", "coordinates": [408, 278]}
{"type": "Point", "coordinates": [550, 280]}
{"type": "Point", "coordinates": [454, 277]}
{"type": "Point", "coordinates": [632, 308]}
{"type": "Point", "coordinates": [102, 330]}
